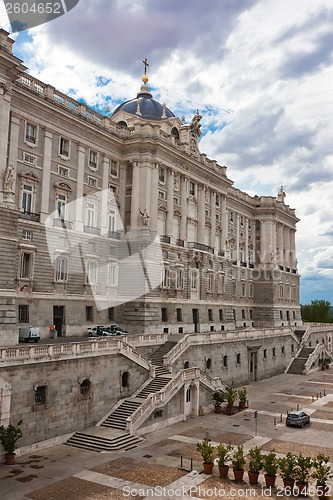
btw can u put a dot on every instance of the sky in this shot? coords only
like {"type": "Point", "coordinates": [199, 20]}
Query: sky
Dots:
{"type": "Point", "coordinates": [259, 72]}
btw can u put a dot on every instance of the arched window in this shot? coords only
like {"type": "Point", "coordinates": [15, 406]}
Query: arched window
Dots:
{"type": "Point", "coordinates": [175, 133]}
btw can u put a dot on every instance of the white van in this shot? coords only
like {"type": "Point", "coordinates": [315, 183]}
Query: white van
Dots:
{"type": "Point", "coordinates": [29, 334]}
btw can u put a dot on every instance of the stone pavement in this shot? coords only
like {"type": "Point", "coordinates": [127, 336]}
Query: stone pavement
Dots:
{"type": "Point", "coordinates": [153, 469]}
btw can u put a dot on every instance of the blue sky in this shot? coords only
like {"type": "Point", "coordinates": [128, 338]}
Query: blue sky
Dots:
{"type": "Point", "coordinates": [260, 73]}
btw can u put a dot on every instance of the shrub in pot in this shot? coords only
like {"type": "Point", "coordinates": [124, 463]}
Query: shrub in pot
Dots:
{"type": "Point", "coordinates": [242, 397]}
{"type": "Point", "coordinates": [322, 474]}
{"type": "Point", "coordinates": [223, 456]}
{"type": "Point", "coordinates": [8, 437]}
{"type": "Point", "coordinates": [270, 466]}
{"type": "Point", "coordinates": [231, 395]}
{"type": "Point", "coordinates": [207, 453]}
{"type": "Point", "coordinates": [287, 466]}
{"type": "Point", "coordinates": [255, 464]}
{"type": "Point", "coordinates": [218, 398]}
{"type": "Point", "coordinates": [302, 473]}
{"type": "Point", "coordinates": [237, 462]}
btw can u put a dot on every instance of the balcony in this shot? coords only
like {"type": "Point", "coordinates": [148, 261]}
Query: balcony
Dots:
{"type": "Point", "coordinates": [66, 224]}
{"type": "Point", "coordinates": [92, 230]}
{"type": "Point", "coordinates": [251, 266]}
{"type": "Point", "coordinates": [165, 239]}
{"type": "Point", "coordinates": [114, 235]}
{"type": "Point", "coordinates": [29, 216]}
{"type": "Point", "coordinates": [180, 243]}
{"type": "Point", "coordinates": [221, 253]}
{"type": "Point", "coordinates": [200, 246]}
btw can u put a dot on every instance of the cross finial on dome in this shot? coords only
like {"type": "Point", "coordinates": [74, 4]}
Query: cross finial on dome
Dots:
{"type": "Point", "coordinates": [146, 63]}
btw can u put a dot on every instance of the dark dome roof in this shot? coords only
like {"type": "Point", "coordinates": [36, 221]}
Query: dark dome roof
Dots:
{"type": "Point", "coordinates": [145, 106]}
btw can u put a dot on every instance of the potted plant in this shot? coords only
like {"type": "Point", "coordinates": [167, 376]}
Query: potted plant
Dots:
{"type": "Point", "coordinates": [302, 473]}
{"type": "Point", "coordinates": [255, 464]}
{"type": "Point", "coordinates": [9, 436]}
{"type": "Point", "coordinates": [327, 362]}
{"type": "Point", "coordinates": [218, 398]}
{"type": "Point", "coordinates": [287, 466]}
{"type": "Point", "coordinates": [242, 396]}
{"type": "Point", "coordinates": [322, 473]}
{"type": "Point", "coordinates": [237, 462]}
{"type": "Point", "coordinates": [231, 395]}
{"type": "Point", "coordinates": [223, 456]}
{"type": "Point", "coordinates": [207, 453]}
{"type": "Point", "coordinates": [270, 466]}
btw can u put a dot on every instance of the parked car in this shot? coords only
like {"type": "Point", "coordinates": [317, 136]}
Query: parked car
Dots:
{"type": "Point", "coordinates": [297, 419]}
{"type": "Point", "coordinates": [29, 334]}
{"type": "Point", "coordinates": [118, 330]}
{"type": "Point", "coordinates": [106, 331]}
{"type": "Point", "coordinates": [95, 331]}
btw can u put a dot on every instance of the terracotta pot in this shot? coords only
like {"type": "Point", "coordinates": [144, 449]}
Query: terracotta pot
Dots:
{"type": "Point", "coordinates": [208, 468]}
{"type": "Point", "coordinates": [241, 405]}
{"type": "Point", "coordinates": [228, 410]}
{"type": "Point", "coordinates": [238, 475]}
{"type": "Point", "coordinates": [10, 458]}
{"type": "Point", "coordinates": [218, 409]}
{"type": "Point", "coordinates": [270, 481]}
{"type": "Point", "coordinates": [288, 483]}
{"type": "Point", "coordinates": [224, 471]}
{"type": "Point", "coordinates": [253, 477]}
{"type": "Point", "coordinates": [302, 489]}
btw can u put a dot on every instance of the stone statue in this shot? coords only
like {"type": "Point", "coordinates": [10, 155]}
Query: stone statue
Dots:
{"type": "Point", "coordinates": [8, 183]}
{"type": "Point", "coordinates": [145, 217]}
{"type": "Point", "coordinates": [195, 125]}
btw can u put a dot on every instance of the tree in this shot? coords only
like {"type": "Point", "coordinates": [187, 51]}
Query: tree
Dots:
{"type": "Point", "coordinates": [317, 312]}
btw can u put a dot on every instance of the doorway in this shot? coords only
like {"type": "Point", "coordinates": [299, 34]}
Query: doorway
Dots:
{"type": "Point", "coordinates": [252, 366]}
{"type": "Point", "coordinates": [59, 320]}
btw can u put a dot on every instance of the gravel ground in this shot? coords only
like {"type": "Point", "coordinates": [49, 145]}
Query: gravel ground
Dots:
{"type": "Point", "coordinates": [76, 489]}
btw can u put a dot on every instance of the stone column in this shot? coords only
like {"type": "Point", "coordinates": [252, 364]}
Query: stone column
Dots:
{"type": "Point", "coordinates": [280, 258]}
{"type": "Point", "coordinates": [224, 223]}
{"type": "Point", "coordinates": [287, 245]}
{"type": "Point", "coordinates": [9, 191]}
{"type": "Point", "coordinates": [246, 250]}
{"type": "Point", "coordinates": [212, 218]}
{"type": "Point", "coordinates": [183, 201]}
{"type": "Point", "coordinates": [45, 204]}
{"type": "Point", "coordinates": [237, 238]}
{"type": "Point", "coordinates": [5, 102]}
{"type": "Point", "coordinates": [201, 214]}
{"type": "Point", "coordinates": [106, 196]}
{"type": "Point", "coordinates": [292, 249]}
{"type": "Point", "coordinates": [135, 198]}
{"type": "Point", "coordinates": [154, 197]}
{"type": "Point", "coordinates": [170, 185]}
{"type": "Point", "coordinates": [273, 241]}
{"type": "Point", "coordinates": [263, 244]}
{"type": "Point", "coordinates": [79, 209]}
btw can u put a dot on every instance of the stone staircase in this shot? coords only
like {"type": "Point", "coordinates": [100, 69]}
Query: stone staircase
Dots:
{"type": "Point", "coordinates": [110, 434]}
{"type": "Point", "coordinates": [298, 365]}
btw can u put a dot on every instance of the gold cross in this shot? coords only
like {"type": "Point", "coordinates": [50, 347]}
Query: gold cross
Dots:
{"type": "Point", "coordinates": [145, 62]}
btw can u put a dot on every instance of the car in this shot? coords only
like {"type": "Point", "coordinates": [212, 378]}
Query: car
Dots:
{"type": "Point", "coordinates": [297, 419]}
{"type": "Point", "coordinates": [95, 331]}
{"type": "Point", "coordinates": [117, 330]}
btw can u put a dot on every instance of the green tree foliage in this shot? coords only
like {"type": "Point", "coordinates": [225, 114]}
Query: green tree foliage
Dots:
{"type": "Point", "coordinates": [317, 312]}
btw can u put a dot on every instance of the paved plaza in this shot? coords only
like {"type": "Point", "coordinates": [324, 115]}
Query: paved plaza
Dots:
{"type": "Point", "coordinates": [153, 469]}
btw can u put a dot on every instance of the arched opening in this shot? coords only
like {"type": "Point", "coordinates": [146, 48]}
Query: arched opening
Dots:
{"type": "Point", "coordinates": [175, 133]}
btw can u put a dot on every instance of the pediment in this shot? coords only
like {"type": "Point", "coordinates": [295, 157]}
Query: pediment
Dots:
{"type": "Point", "coordinates": [31, 176]}
{"type": "Point", "coordinates": [62, 185]}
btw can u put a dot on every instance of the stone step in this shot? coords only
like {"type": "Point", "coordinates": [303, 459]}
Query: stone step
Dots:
{"type": "Point", "coordinates": [93, 442]}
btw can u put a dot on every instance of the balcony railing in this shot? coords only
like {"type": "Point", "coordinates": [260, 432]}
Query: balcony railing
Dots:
{"type": "Point", "coordinates": [243, 264]}
{"type": "Point", "coordinates": [200, 246]}
{"type": "Point", "coordinates": [29, 216]}
{"type": "Point", "coordinates": [62, 223]}
{"type": "Point", "coordinates": [114, 234]}
{"type": "Point", "coordinates": [180, 243]}
{"type": "Point", "coordinates": [221, 253]}
{"type": "Point", "coordinates": [92, 230]}
{"type": "Point", "coordinates": [165, 239]}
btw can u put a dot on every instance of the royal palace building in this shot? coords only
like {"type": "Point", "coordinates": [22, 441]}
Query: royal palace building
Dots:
{"type": "Point", "coordinates": [123, 219]}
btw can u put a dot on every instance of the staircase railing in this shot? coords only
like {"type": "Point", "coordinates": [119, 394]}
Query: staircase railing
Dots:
{"type": "Point", "coordinates": [129, 351]}
{"type": "Point", "coordinates": [156, 400]}
{"type": "Point", "coordinates": [320, 352]}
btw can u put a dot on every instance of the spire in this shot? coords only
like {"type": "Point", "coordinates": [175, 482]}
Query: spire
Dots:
{"type": "Point", "coordinates": [144, 89]}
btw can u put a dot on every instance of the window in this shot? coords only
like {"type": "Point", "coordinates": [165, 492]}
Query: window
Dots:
{"type": "Point", "coordinates": [113, 270]}
{"type": "Point", "coordinates": [91, 272]}
{"type": "Point", "coordinates": [265, 353]}
{"type": "Point", "coordinates": [251, 290]}
{"type": "Point", "coordinates": [92, 181]}
{"type": "Point", "coordinates": [92, 159]}
{"type": "Point", "coordinates": [210, 314]}
{"type": "Point", "coordinates": [85, 387]}
{"type": "Point", "coordinates": [231, 217]}
{"type": "Point", "coordinates": [243, 289]}
{"type": "Point", "coordinates": [238, 359]}
{"type": "Point", "coordinates": [292, 348]}
{"type": "Point", "coordinates": [194, 280]}
{"type": "Point", "coordinates": [165, 254]}
{"type": "Point", "coordinates": [31, 133]}
{"type": "Point", "coordinates": [111, 313]}
{"type": "Point", "coordinates": [114, 168]}
{"type": "Point", "coordinates": [210, 284]}
{"type": "Point", "coordinates": [26, 265]}
{"type": "Point", "coordinates": [91, 214]}
{"type": "Point", "coordinates": [112, 221]}
{"type": "Point", "coordinates": [61, 206]}
{"type": "Point", "coordinates": [217, 200]}
{"type": "Point", "coordinates": [125, 379]}
{"type": "Point", "coordinates": [23, 313]}
{"type": "Point", "coordinates": [220, 314]}
{"type": "Point", "coordinates": [191, 188]}
{"type": "Point", "coordinates": [40, 395]}
{"type": "Point", "coordinates": [273, 352]}
{"type": "Point", "coordinates": [225, 361]}
{"type": "Point", "coordinates": [179, 315]}
{"type": "Point", "coordinates": [188, 395]}
{"type": "Point", "coordinates": [164, 312]}
{"type": "Point", "coordinates": [161, 175]}
{"type": "Point", "coordinates": [26, 235]}
{"type": "Point", "coordinates": [186, 365]}
{"type": "Point", "coordinates": [179, 279]}
{"type": "Point", "coordinates": [64, 147]}
{"type": "Point", "coordinates": [282, 350]}
{"type": "Point", "coordinates": [165, 277]}
{"type": "Point", "coordinates": [114, 189]}
{"type": "Point", "coordinates": [220, 284]}
{"type": "Point", "coordinates": [63, 171]}
{"type": "Point", "coordinates": [281, 291]}
{"type": "Point", "coordinates": [61, 265]}
{"type": "Point", "coordinates": [234, 288]}
{"type": "Point", "coordinates": [208, 363]}
{"type": "Point", "coordinates": [27, 194]}
{"type": "Point", "coordinates": [161, 195]}
{"type": "Point", "coordinates": [29, 159]}
{"type": "Point", "coordinates": [89, 313]}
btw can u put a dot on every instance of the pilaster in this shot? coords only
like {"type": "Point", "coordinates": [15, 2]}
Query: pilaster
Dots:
{"type": "Point", "coordinates": [44, 211]}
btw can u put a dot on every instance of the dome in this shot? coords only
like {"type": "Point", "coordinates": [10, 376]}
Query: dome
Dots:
{"type": "Point", "coordinates": [145, 106]}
